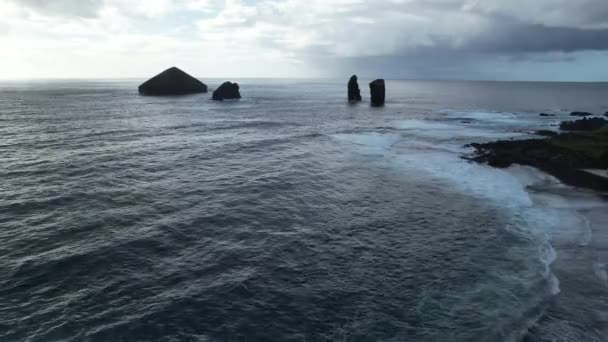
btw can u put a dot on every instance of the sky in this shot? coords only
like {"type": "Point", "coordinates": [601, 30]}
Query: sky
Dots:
{"type": "Point", "coordinates": [544, 40]}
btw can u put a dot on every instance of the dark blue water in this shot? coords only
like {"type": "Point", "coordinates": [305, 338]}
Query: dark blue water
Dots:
{"type": "Point", "coordinates": [291, 215]}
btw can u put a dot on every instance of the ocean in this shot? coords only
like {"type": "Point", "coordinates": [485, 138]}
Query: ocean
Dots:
{"type": "Point", "coordinates": [292, 215]}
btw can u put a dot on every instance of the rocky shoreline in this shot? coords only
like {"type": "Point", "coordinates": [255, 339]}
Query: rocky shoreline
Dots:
{"type": "Point", "coordinates": [567, 156]}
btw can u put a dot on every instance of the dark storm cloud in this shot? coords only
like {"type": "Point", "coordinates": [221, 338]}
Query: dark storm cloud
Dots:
{"type": "Point", "coordinates": [426, 64]}
{"type": "Point", "coordinates": [514, 37]}
{"type": "Point", "coordinates": [553, 13]}
{"type": "Point", "coordinates": [504, 36]}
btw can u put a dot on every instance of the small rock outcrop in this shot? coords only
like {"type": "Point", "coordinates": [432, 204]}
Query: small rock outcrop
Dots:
{"type": "Point", "coordinates": [172, 81]}
{"type": "Point", "coordinates": [546, 114]}
{"type": "Point", "coordinates": [581, 114]}
{"type": "Point", "coordinates": [227, 91]}
{"type": "Point", "coordinates": [354, 93]}
{"type": "Point", "coordinates": [585, 124]}
{"type": "Point", "coordinates": [378, 92]}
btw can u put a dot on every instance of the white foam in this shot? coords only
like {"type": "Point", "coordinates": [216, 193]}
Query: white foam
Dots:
{"type": "Point", "coordinates": [548, 217]}
{"type": "Point", "coordinates": [562, 197]}
{"type": "Point", "coordinates": [587, 231]}
{"type": "Point", "coordinates": [424, 124]}
{"type": "Point", "coordinates": [601, 272]}
{"type": "Point", "coordinates": [442, 162]}
{"type": "Point", "coordinates": [561, 226]}
{"type": "Point", "coordinates": [441, 130]}
{"type": "Point", "coordinates": [372, 140]}
{"type": "Point", "coordinates": [489, 116]}
{"type": "Point", "coordinates": [529, 176]}
{"type": "Point", "coordinates": [548, 256]}
{"type": "Point", "coordinates": [471, 178]}
{"type": "Point", "coordinates": [554, 284]}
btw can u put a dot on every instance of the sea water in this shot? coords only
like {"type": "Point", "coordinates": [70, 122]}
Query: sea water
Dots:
{"type": "Point", "coordinates": [292, 215]}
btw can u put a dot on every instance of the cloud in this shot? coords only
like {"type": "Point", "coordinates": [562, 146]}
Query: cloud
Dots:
{"type": "Point", "coordinates": [360, 28]}
{"type": "Point", "coordinates": [78, 8]}
{"type": "Point", "coordinates": [580, 14]}
{"type": "Point", "coordinates": [92, 8]}
{"type": "Point", "coordinates": [539, 38]}
{"type": "Point", "coordinates": [418, 38]}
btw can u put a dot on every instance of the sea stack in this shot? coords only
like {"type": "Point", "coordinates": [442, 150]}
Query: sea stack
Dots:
{"type": "Point", "coordinates": [172, 81]}
{"type": "Point", "coordinates": [378, 92]}
{"type": "Point", "coordinates": [226, 91]}
{"type": "Point", "coordinates": [354, 93]}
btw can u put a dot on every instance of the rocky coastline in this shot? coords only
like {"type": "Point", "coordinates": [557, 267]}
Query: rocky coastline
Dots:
{"type": "Point", "coordinates": [577, 156]}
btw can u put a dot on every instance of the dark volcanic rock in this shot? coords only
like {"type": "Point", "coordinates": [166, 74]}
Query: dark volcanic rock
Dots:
{"type": "Point", "coordinates": [581, 114]}
{"type": "Point", "coordinates": [354, 93]}
{"type": "Point", "coordinates": [564, 156]}
{"type": "Point", "coordinates": [585, 124]}
{"type": "Point", "coordinates": [545, 114]}
{"type": "Point", "coordinates": [172, 81]}
{"type": "Point", "coordinates": [546, 133]}
{"type": "Point", "coordinates": [378, 92]}
{"type": "Point", "coordinates": [227, 90]}
{"type": "Point", "coordinates": [604, 160]}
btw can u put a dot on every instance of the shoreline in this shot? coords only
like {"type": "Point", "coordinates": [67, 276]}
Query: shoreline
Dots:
{"type": "Point", "coordinates": [568, 156]}
{"type": "Point", "coordinates": [574, 233]}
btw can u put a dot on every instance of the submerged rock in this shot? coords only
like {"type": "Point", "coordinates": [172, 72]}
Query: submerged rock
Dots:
{"type": "Point", "coordinates": [586, 124]}
{"type": "Point", "coordinates": [378, 92]}
{"type": "Point", "coordinates": [172, 81]}
{"type": "Point", "coordinates": [354, 93]}
{"type": "Point", "coordinates": [581, 114]}
{"type": "Point", "coordinates": [227, 91]}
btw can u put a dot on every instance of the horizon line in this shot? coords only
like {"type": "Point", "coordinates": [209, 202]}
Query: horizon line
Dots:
{"type": "Point", "coordinates": [25, 79]}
